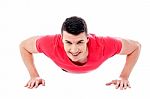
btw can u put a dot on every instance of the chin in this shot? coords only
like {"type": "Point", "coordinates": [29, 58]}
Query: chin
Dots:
{"type": "Point", "coordinates": [74, 60]}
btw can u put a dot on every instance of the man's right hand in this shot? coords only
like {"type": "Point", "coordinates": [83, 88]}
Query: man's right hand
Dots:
{"type": "Point", "coordinates": [35, 82]}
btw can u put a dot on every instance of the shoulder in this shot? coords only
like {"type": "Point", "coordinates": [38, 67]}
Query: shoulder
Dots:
{"type": "Point", "coordinates": [54, 36]}
{"type": "Point", "coordinates": [47, 38]}
{"type": "Point", "coordinates": [94, 37]}
{"type": "Point", "coordinates": [104, 39]}
{"type": "Point", "coordinates": [100, 40]}
{"type": "Point", "coordinates": [47, 43]}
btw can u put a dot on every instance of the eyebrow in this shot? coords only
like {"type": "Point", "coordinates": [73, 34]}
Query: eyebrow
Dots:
{"type": "Point", "coordinates": [77, 42]}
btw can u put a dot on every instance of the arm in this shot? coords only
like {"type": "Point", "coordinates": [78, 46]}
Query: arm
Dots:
{"type": "Point", "coordinates": [131, 49]}
{"type": "Point", "coordinates": [27, 48]}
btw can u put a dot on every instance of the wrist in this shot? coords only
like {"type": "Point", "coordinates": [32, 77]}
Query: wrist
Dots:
{"type": "Point", "coordinates": [34, 76]}
{"type": "Point", "coordinates": [123, 78]}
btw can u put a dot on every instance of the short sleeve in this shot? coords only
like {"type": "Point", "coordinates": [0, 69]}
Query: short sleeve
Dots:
{"type": "Point", "coordinates": [46, 44]}
{"type": "Point", "coordinates": [38, 41]}
{"type": "Point", "coordinates": [112, 46]}
{"type": "Point", "coordinates": [42, 42]}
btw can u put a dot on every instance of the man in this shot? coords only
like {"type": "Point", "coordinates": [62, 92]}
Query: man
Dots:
{"type": "Point", "coordinates": [76, 51]}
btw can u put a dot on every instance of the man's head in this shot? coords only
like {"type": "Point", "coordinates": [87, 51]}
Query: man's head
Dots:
{"type": "Point", "coordinates": [74, 25]}
{"type": "Point", "coordinates": [74, 37]}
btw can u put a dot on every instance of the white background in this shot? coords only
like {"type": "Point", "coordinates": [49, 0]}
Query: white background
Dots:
{"type": "Point", "coordinates": [20, 19]}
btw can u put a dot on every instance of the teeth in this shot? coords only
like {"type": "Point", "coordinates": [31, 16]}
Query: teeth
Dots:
{"type": "Point", "coordinates": [75, 54]}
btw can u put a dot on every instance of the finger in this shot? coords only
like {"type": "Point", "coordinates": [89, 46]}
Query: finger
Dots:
{"type": "Point", "coordinates": [36, 84]}
{"type": "Point", "coordinates": [43, 82]}
{"type": "Point", "coordinates": [128, 85]}
{"type": "Point", "coordinates": [117, 84]}
{"type": "Point", "coordinates": [26, 85]}
{"type": "Point", "coordinates": [121, 85]}
{"type": "Point", "coordinates": [107, 84]}
{"type": "Point", "coordinates": [29, 84]}
{"type": "Point", "coordinates": [32, 84]}
{"type": "Point", "coordinates": [125, 86]}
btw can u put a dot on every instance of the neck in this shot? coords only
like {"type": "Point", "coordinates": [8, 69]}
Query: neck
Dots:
{"type": "Point", "coordinates": [80, 63]}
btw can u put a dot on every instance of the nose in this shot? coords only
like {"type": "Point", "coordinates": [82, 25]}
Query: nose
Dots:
{"type": "Point", "coordinates": [74, 49]}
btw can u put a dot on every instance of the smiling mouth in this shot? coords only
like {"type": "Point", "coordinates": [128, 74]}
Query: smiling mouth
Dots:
{"type": "Point", "coordinates": [76, 54]}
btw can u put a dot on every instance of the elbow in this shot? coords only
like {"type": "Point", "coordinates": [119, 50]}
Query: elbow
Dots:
{"type": "Point", "coordinates": [21, 45]}
{"type": "Point", "coordinates": [138, 45]}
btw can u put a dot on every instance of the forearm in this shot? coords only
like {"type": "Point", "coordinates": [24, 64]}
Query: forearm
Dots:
{"type": "Point", "coordinates": [27, 58]}
{"type": "Point", "coordinates": [131, 60]}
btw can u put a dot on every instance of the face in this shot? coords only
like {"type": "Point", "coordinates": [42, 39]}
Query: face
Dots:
{"type": "Point", "coordinates": [75, 46]}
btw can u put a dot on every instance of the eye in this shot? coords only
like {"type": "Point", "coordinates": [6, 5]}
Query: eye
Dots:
{"type": "Point", "coordinates": [68, 42]}
{"type": "Point", "coordinates": [80, 42]}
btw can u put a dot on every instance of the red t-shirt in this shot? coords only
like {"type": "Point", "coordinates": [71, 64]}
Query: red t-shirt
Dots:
{"type": "Point", "coordinates": [100, 49]}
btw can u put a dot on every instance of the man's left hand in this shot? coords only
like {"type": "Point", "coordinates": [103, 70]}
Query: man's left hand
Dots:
{"type": "Point", "coordinates": [121, 83]}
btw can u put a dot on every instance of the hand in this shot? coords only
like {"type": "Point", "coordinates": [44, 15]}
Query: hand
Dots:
{"type": "Point", "coordinates": [35, 82]}
{"type": "Point", "coordinates": [122, 83]}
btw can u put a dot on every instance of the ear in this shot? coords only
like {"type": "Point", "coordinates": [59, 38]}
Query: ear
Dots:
{"type": "Point", "coordinates": [88, 38]}
{"type": "Point", "coordinates": [62, 36]}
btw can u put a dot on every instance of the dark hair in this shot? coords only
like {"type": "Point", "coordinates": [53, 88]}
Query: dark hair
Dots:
{"type": "Point", "coordinates": [74, 25]}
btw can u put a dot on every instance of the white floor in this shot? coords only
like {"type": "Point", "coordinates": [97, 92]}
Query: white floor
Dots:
{"type": "Point", "coordinates": [21, 19]}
